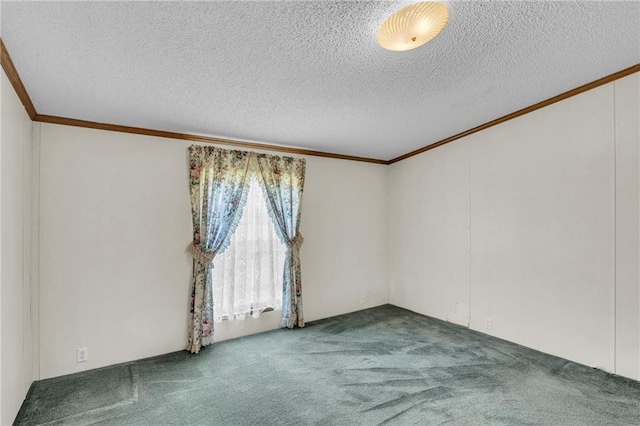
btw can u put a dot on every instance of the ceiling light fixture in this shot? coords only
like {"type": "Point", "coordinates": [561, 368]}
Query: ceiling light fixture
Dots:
{"type": "Point", "coordinates": [412, 26]}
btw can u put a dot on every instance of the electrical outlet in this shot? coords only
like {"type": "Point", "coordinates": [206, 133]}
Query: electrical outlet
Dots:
{"type": "Point", "coordinates": [82, 354]}
{"type": "Point", "coordinates": [362, 299]}
{"type": "Point", "coordinates": [487, 324]}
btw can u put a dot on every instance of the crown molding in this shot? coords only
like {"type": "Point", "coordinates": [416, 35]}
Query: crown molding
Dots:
{"type": "Point", "coordinates": [592, 85]}
{"type": "Point", "coordinates": [14, 78]}
{"type": "Point", "coordinates": [16, 82]}
{"type": "Point", "coordinates": [196, 138]}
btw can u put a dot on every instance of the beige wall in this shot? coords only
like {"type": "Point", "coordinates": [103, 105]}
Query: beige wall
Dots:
{"type": "Point", "coordinates": [429, 233]}
{"type": "Point", "coordinates": [115, 220]}
{"type": "Point", "coordinates": [627, 301]}
{"type": "Point", "coordinates": [15, 227]}
{"type": "Point", "coordinates": [532, 224]}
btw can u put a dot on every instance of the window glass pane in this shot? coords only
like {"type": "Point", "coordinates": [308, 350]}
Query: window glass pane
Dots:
{"type": "Point", "coordinates": [247, 277]}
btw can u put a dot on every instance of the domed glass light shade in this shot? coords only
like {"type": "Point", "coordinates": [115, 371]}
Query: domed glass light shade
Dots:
{"type": "Point", "coordinates": [412, 26]}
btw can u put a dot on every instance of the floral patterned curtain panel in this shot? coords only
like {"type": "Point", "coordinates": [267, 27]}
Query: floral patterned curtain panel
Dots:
{"type": "Point", "coordinates": [218, 181]}
{"type": "Point", "coordinates": [219, 184]}
{"type": "Point", "coordinates": [282, 180]}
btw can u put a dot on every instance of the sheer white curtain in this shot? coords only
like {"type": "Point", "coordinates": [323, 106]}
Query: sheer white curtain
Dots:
{"type": "Point", "coordinates": [247, 276]}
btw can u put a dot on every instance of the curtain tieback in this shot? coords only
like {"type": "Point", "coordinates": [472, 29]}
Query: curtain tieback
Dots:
{"type": "Point", "coordinates": [297, 241]}
{"type": "Point", "coordinates": [201, 256]}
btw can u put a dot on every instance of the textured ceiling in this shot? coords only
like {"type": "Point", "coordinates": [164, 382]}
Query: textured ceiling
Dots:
{"type": "Point", "coordinates": [309, 74]}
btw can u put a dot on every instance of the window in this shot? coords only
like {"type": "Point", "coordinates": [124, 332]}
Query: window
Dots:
{"type": "Point", "coordinates": [247, 276]}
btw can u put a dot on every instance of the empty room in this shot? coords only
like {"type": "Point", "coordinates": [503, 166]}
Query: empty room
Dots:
{"type": "Point", "coordinates": [320, 213]}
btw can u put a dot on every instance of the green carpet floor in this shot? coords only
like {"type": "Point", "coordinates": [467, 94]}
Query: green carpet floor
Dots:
{"type": "Point", "coordinates": [384, 365]}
